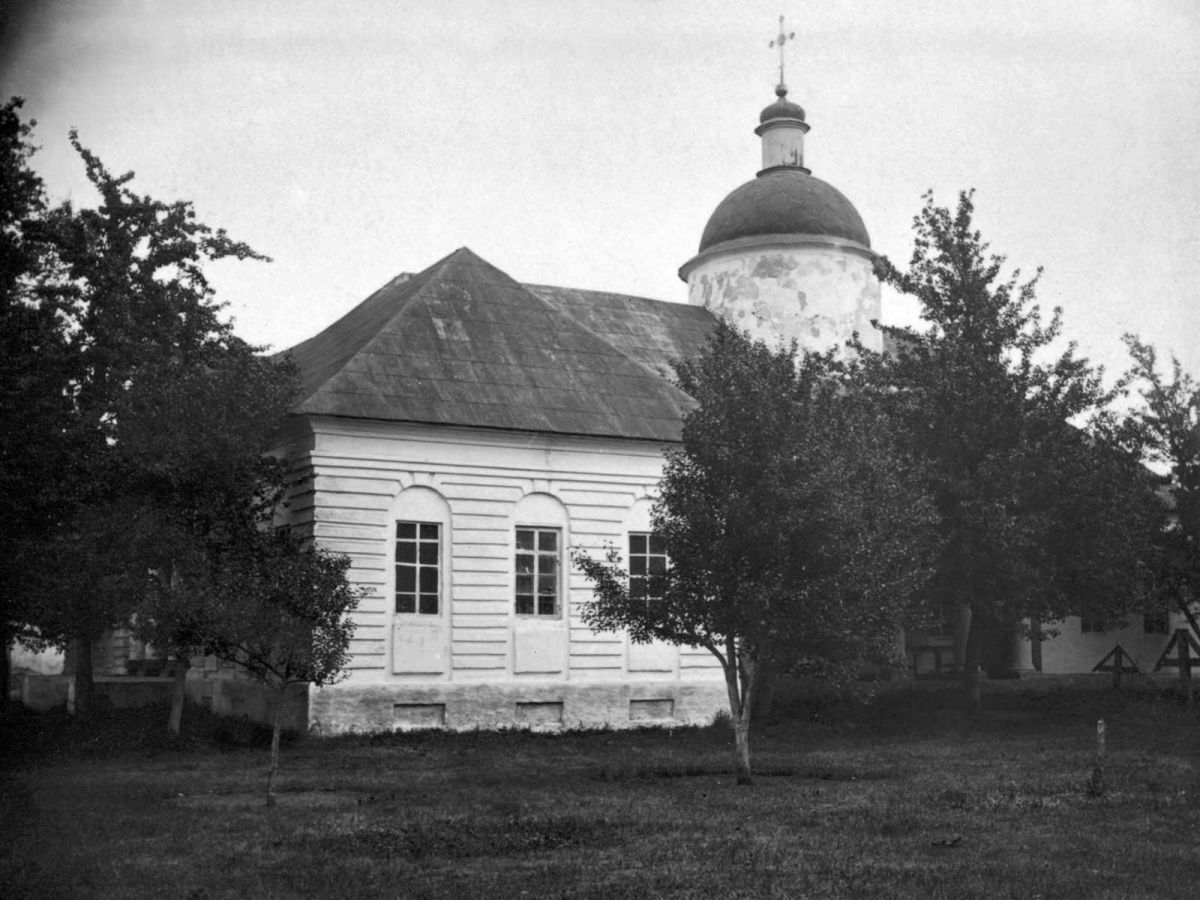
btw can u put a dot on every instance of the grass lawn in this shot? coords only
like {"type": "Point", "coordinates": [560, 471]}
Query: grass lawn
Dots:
{"type": "Point", "coordinates": [903, 798]}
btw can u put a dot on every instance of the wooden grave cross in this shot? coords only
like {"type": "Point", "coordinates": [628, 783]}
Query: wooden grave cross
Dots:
{"type": "Point", "coordinates": [1121, 662]}
{"type": "Point", "coordinates": [1188, 656]}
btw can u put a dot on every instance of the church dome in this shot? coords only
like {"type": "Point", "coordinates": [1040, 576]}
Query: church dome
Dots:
{"type": "Point", "coordinates": [783, 108]}
{"type": "Point", "coordinates": [784, 201]}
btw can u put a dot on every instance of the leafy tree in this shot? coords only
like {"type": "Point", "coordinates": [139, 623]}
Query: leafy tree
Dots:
{"type": "Point", "coordinates": [276, 607]}
{"type": "Point", "coordinates": [196, 441]}
{"type": "Point", "coordinates": [1168, 425]}
{"type": "Point", "coordinates": [792, 533]}
{"type": "Point", "coordinates": [133, 303]}
{"type": "Point", "coordinates": [36, 441]}
{"type": "Point", "coordinates": [1044, 510]}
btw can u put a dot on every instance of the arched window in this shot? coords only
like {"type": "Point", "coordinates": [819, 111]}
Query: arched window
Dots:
{"type": "Point", "coordinates": [420, 553]}
{"type": "Point", "coordinates": [539, 540]}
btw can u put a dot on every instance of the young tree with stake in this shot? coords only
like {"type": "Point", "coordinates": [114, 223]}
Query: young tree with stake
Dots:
{"type": "Point", "coordinates": [792, 533]}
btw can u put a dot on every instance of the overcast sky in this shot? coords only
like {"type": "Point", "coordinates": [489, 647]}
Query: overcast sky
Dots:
{"type": "Point", "coordinates": [586, 143]}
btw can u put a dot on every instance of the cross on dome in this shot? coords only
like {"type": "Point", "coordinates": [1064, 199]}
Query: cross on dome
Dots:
{"type": "Point", "coordinates": [780, 39]}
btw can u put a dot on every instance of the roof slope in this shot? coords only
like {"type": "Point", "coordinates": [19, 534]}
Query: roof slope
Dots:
{"type": "Point", "coordinates": [651, 332]}
{"type": "Point", "coordinates": [462, 343]}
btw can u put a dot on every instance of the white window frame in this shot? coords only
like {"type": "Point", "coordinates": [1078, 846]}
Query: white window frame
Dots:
{"type": "Point", "coordinates": [537, 572]}
{"type": "Point", "coordinates": [646, 558]}
{"type": "Point", "coordinates": [419, 564]}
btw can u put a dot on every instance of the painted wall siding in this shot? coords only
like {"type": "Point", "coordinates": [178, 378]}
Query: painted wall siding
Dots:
{"type": "Point", "coordinates": [487, 483]}
{"type": "Point", "coordinates": [1074, 651]}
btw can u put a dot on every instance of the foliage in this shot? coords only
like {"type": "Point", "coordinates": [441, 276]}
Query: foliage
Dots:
{"type": "Point", "coordinates": [278, 608]}
{"type": "Point", "coordinates": [792, 532]}
{"type": "Point", "coordinates": [1044, 510]}
{"type": "Point", "coordinates": [197, 440]}
{"type": "Point", "coordinates": [1168, 427]}
{"type": "Point", "coordinates": [118, 295]}
{"type": "Point", "coordinates": [37, 446]}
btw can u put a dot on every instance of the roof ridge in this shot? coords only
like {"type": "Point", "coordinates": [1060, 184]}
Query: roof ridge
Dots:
{"type": "Point", "coordinates": [560, 287]}
{"type": "Point", "coordinates": [647, 370]}
{"type": "Point", "coordinates": [463, 342]}
{"type": "Point", "coordinates": [411, 285]}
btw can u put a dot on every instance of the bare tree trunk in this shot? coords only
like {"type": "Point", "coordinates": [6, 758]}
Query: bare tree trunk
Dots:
{"type": "Point", "coordinates": [274, 766]}
{"type": "Point", "coordinates": [741, 698]}
{"type": "Point", "coordinates": [741, 737]}
{"type": "Point", "coordinates": [178, 692]}
{"type": "Point", "coordinates": [85, 682]}
{"type": "Point", "coordinates": [972, 668]}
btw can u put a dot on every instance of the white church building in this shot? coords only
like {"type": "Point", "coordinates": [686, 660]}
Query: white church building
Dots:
{"type": "Point", "coordinates": [462, 431]}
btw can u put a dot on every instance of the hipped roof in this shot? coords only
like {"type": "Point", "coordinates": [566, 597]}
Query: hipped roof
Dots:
{"type": "Point", "coordinates": [462, 343]}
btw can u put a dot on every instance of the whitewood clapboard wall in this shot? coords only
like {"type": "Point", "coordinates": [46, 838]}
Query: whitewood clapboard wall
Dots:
{"type": "Point", "coordinates": [477, 663]}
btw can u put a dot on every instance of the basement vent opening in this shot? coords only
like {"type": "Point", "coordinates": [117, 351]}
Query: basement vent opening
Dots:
{"type": "Point", "coordinates": [651, 710]}
{"type": "Point", "coordinates": [540, 713]}
{"type": "Point", "coordinates": [418, 715]}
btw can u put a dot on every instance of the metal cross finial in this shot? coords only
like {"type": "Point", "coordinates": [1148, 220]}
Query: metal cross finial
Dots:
{"type": "Point", "coordinates": [781, 39]}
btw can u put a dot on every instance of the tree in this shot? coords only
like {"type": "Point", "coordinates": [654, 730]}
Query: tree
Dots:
{"type": "Point", "coordinates": [196, 440]}
{"type": "Point", "coordinates": [133, 303]}
{"type": "Point", "coordinates": [36, 441]}
{"type": "Point", "coordinates": [1168, 427]}
{"type": "Point", "coordinates": [1044, 510]}
{"type": "Point", "coordinates": [792, 533]}
{"type": "Point", "coordinates": [277, 607]}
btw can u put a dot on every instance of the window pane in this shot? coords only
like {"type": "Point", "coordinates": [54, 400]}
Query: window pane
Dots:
{"type": "Point", "coordinates": [406, 552]}
{"type": "Point", "coordinates": [405, 604]}
{"type": "Point", "coordinates": [658, 565]}
{"type": "Point", "coordinates": [406, 530]}
{"type": "Point", "coordinates": [406, 579]}
{"type": "Point", "coordinates": [429, 531]}
{"type": "Point", "coordinates": [637, 543]}
{"type": "Point", "coordinates": [537, 565]}
{"type": "Point", "coordinates": [637, 588]}
{"type": "Point", "coordinates": [637, 565]}
{"type": "Point", "coordinates": [429, 604]}
{"type": "Point", "coordinates": [657, 544]}
{"type": "Point", "coordinates": [429, 581]}
{"type": "Point", "coordinates": [429, 553]}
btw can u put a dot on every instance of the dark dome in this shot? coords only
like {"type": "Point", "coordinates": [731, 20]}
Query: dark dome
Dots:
{"type": "Point", "coordinates": [782, 109]}
{"type": "Point", "coordinates": [784, 201]}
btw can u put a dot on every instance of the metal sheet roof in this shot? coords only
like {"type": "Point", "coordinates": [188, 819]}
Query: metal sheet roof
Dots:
{"type": "Point", "coordinates": [462, 343]}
